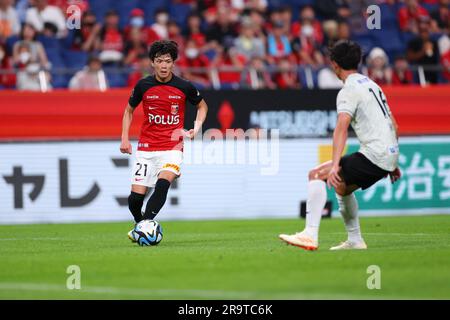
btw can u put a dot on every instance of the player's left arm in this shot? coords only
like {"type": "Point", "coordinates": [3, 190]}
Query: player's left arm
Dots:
{"type": "Point", "coordinates": [396, 174]}
{"type": "Point", "coordinates": [394, 122]}
{"type": "Point", "coordinates": [339, 141]}
{"type": "Point", "coordinates": [202, 111]}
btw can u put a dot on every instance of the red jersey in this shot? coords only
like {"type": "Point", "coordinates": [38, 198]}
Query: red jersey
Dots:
{"type": "Point", "coordinates": [112, 39]}
{"type": "Point", "coordinates": [405, 16]}
{"type": "Point", "coordinates": [164, 106]}
{"type": "Point", "coordinates": [200, 62]}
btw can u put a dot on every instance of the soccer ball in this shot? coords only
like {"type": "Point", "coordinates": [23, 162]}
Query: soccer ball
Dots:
{"type": "Point", "coordinates": [149, 233]}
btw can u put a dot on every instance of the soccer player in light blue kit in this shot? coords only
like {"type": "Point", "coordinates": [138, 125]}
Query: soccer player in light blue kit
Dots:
{"type": "Point", "coordinates": [361, 103]}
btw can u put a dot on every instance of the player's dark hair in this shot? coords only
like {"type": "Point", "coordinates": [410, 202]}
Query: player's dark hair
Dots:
{"type": "Point", "coordinates": [162, 47]}
{"type": "Point", "coordinates": [346, 53]}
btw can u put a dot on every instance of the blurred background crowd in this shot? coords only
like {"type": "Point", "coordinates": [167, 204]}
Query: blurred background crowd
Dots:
{"type": "Point", "coordinates": [223, 44]}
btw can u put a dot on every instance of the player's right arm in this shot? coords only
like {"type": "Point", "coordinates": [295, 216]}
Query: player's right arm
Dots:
{"type": "Point", "coordinates": [339, 142]}
{"type": "Point", "coordinates": [125, 145]}
{"type": "Point", "coordinates": [346, 103]}
{"type": "Point", "coordinates": [134, 100]}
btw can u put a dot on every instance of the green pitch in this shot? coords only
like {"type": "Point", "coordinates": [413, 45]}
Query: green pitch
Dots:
{"type": "Point", "coordinates": [226, 260]}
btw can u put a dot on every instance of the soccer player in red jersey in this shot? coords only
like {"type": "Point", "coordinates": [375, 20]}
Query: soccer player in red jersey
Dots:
{"type": "Point", "coordinates": [160, 149]}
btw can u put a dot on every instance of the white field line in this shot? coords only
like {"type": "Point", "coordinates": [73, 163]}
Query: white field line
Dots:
{"type": "Point", "coordinates": [123, 291]}
{"type": "Point", "coordinates": [34, 238]}
{"type": "Point", "coordinates": [185, 293]}
{"type": "Point", "coordinates": [397, 234]}
{"type": "Point", "coordinates": [340, 233]}
{"type": "Point", "coordinates": [381, 234]}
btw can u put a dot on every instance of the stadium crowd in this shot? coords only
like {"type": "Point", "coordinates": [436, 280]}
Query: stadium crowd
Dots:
{"type": "Point", "coordinates": [224, 44]}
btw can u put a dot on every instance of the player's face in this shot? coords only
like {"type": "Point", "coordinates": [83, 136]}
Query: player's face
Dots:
{"type": "Point", "coordinates": [163, 66]}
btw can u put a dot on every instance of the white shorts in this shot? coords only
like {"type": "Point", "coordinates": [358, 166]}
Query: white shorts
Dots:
{"type": "Point", "coordinates": [149, 164]}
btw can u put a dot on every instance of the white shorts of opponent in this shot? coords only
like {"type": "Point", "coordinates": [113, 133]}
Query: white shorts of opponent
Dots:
{"type": "Point", "coordinates": [149, 164]}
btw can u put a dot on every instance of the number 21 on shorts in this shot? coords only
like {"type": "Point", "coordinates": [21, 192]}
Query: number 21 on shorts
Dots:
{"type": "Point", "coordinates": [141, 170]}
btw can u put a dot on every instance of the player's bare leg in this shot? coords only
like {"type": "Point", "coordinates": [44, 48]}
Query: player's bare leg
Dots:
{"type": "Point", "coordinates": [159, 195]}
{"type": "Point", "coordinates": [317, 197]}
{"type": "Point", "coordinates": [348, 207]}
{"type": "Point", "coordinates": [168, 175]}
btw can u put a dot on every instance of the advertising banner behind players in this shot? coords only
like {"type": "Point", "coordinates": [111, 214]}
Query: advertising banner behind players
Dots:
{"type": "Point", "coordinates": [63, 185]}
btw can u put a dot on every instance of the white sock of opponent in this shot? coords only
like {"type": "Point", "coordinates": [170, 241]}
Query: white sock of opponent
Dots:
{"type": "Point", "coordinates": [348, 207]}
{"type": "Point", "coordinates": [317, 197]}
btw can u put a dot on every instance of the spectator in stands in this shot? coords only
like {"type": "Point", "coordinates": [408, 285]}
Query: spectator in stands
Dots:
{"type": "Point", "coordinates": [301, 42]}
{"type": "Point", "coordinates": [174, 33]}
{"type": "Point", "coordinates": [221, 7]}
{"type": "Point", "coordinates": [330, 30]}
{"type": "Point", "coordinates": [82, 5]}
{"type": "Point", "coordinates": [307, 20]}
{"type": "Point", "coordinates": [246, 43]}
{"type": "Point", "coordinates": [230, 63]}
{"type": "Point", "coordinates": [9, 21]}
{"type": "Point", "coordinates": [401, 75]}
{"type": "Point", "coordinates": [257, 21]}
{"type": "Point", "coordinates": [286, 77]}
{"type": "Point", "coordinates": [87, 37]}
{"type": "Point", "coordinates": [36, 52]}
{"type": "Point", "coordinates": [423, 51]}
{"type": "Point", "coordinates": [7, 75]}
{"type": "Point", "coordinates": [193, 58]}
{"type": "Point", "coordinates": [378, 68]}
{"type": "Point", "coordinates": [194, 30]}
{"type": "Point", "coordinates": [203, 5]}
{"type": "Point", "coordinates": [222, 31]}
{"type": "Point", "coordinates": [445, 61]}
{"type": "Point", "coordinates": [241, 5]}
{"type": "Point", "coordinates": [444, 41]}
{"type": "Point", "coordinates": [137, 22]}
{"type": "Point", "coordinates": [308, 38]}
{"type": "Point", "coordinates": [111, 40]}
{"type": "Point", "coordinates": [343, 31]}
{"type": "Point", "coordinates": [141, 70]}
{"type": "Point", "coordinates": [278, 45]}
{"type": "Point", "coordinates": [444, 49]}
{"type": "Point", "coordinates": [441, 16]}
{"type": "Point", "coordinates": [410, 16]}
{"type": "Point", "coordinates": [21, 8]}
{"type": "Point", "coordinates": [256, 76]}
{"type": "Point", "coordinates": [30, 76]}
{"type": "Point", "coordinates": [134, 47]}
{"type": "Point", "coordinates": [357, 15]}
{"type": "Point", "coordinates": [42, 12]}
{"type": "Point", "coordinates": [160, 25]}
{"type": "Point", "coordinates": [286, 19]}
{"type": "Point", "coordinates": [50, 30]}
{"type": "Point", "coordinates": [273, 18]}
{"type": "Point", "coordinates": [332, 9]}
{"type": "Point", "coordinates": [92, 77]}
